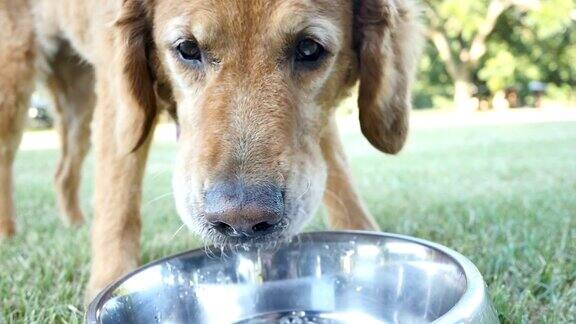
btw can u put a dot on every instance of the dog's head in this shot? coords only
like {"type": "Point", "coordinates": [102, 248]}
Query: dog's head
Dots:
{"type": "Point", "coordinates": [253, 86]}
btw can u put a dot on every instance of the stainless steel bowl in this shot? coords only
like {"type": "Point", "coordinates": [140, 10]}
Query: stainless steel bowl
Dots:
{"type": "Point", "coordinates": [324, 277]}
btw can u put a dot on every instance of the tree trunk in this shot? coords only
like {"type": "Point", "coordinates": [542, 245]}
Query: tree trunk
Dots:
{"type": "Point", "coordinates": [463, 92]}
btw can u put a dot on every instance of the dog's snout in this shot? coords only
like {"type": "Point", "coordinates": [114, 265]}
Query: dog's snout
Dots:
{"type": "Point", "coordinates": [239, 210]}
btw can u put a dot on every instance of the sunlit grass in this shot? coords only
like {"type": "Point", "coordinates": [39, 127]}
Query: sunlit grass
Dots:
{"type": "Point", "coordinates": [505, 196]}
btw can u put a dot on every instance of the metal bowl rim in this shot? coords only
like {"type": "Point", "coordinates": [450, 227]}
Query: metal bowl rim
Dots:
{"type": "Point", "coordinates": [471, 300]}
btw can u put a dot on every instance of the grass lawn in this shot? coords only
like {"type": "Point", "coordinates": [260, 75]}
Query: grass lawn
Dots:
{"type": "Point", "coordinates": [505, 196]}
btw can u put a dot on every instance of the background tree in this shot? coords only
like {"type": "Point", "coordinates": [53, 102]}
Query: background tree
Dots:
{"type": "Point", "coordinates": [460, 30]}
{"type": "Point", "coordinates": [536, 45]}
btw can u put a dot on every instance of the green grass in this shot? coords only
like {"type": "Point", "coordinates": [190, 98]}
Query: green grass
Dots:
{"type": "Point", "coordinates": [505, 196]}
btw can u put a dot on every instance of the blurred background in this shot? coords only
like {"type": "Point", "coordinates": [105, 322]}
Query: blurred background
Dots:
{"type": "Point", "coordinates": [498, 54]}
{"type": "Point", "coordinates": [489, 170]}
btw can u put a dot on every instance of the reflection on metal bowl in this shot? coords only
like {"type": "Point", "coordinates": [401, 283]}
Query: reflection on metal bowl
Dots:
{"type": "Point", "coordinates": [324, 277]}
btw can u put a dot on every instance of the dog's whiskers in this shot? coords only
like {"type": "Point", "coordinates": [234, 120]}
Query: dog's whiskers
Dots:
{"type": "Point", "coordinates": [306, 190]}
{"type": "Point", "coordinates": [162, 196]}
{"type": "Point", "coordinates": [177, 231]}
{"type": "Point", "coordinates": [157, 174]}
{"type": "Point", "coordinates": [209, 252]}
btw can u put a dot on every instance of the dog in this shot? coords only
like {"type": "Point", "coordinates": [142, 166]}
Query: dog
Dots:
{"type": "Point", "coordinates": [252, 86]}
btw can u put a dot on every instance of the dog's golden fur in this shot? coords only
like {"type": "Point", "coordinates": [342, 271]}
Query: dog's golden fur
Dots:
{"type": "Point", "coordinates": [249, 114]}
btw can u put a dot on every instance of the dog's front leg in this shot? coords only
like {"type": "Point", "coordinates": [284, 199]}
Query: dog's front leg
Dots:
{"type": "Point", "coordinates": [17, 55]}
{"type": "Point", "coordinates": [12, 117]}
{"type": "Point", "coordinates": [118, 183]}
{"type": "Point", "coordinates": [345, 209]}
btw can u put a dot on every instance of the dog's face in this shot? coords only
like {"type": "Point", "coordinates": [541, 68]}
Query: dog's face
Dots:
{"type": "Point", "coordinates": [254, 84]}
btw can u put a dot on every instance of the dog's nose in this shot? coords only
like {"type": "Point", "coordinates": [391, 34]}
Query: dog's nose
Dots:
{"type": "Point", "coordinates": [240, 210]}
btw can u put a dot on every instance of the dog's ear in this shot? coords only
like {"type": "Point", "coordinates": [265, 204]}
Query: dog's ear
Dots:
{"type": "Point", "coordinates": [388, 42]}
{"type": "Point", "coordinates": [136, 78]}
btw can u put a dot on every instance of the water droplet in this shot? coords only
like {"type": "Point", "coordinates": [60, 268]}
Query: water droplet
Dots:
{"type": "Point", "coordinates": [291, 319]}
{"type": "Point", "coordinates": [221, 278]}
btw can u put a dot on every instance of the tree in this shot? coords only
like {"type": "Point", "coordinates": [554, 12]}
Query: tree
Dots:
{"type": "Point", "coordinates": [534, 46]}
{"type": "Point", "coordinates": [459, 31]}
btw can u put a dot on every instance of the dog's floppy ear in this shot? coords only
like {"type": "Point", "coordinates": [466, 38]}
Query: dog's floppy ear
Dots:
{"type": "Point", "coordinates": [388, 40]}
{"type": "Point", "coordinates": [136, 79]}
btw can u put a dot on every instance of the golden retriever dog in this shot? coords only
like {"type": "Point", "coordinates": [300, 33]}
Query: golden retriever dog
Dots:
{"type": "Point", "coordinates": [252, 86]}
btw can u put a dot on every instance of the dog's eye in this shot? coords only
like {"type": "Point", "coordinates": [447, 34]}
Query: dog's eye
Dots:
{"type": "Point", "coordinates": [189, 51]}
{"type": "Point", "coordinates": [309, 50]}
